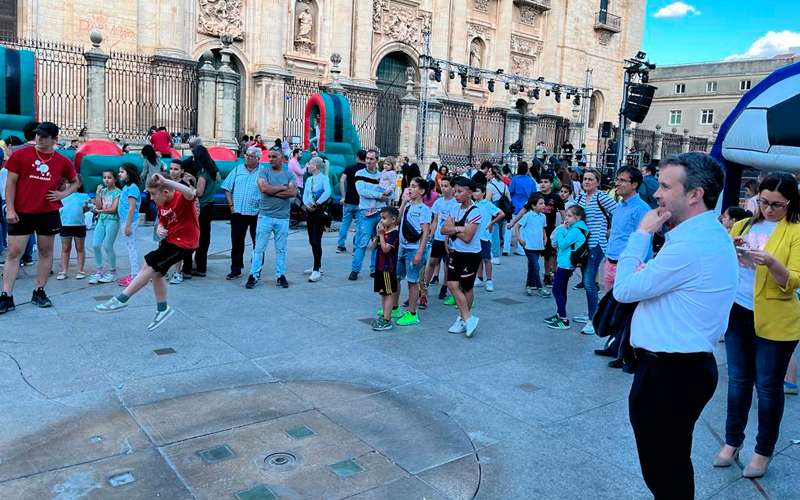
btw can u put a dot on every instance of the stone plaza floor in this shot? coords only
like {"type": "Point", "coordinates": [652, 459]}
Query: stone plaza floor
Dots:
{"type": "Point", "coordinates": [273, 393]}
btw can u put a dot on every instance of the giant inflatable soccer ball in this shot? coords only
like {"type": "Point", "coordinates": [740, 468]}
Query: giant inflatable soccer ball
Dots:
{"type": "Point", "coordinates": [762, 131]}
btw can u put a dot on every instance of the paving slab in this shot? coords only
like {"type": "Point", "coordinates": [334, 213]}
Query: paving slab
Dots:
{"type": "Point", "coordinates": [409, 488]}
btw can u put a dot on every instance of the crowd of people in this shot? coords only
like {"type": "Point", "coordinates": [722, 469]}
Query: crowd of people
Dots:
{"type": "Point", "coordinates": [689, 279]}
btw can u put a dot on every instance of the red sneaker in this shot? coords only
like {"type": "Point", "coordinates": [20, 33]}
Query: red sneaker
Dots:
{"type": "Point", "coordinates": [423, 302]}
{"type": "Point", "coordinates": [125, 281]}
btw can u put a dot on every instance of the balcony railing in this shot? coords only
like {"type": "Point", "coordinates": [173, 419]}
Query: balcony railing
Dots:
{"type": "Point", "coordinates": [539, 5]}
{"type": "Point", "coordinates": [608, 22]}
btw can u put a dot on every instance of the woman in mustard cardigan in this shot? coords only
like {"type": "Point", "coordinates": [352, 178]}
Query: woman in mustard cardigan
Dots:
{"type": "Point", "coordinates": [764, 324]}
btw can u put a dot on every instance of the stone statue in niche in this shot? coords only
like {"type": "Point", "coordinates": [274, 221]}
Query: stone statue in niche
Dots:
{"type": "Point", "coordinates": [304, 28]}
{"type": "Point", "coordinates": [475, 53]}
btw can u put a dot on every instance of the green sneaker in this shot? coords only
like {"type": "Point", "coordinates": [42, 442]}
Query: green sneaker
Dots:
{"type": "Point", "coordinates": [550, 319]}
{"type": "Point", "coordinates": [450, 301]}
{"type": "Point", "coordinates": [559, 324]}
{"type": "Point", "coordinates": [396, 313]}
{"type": "Point", "coordinates": [408, 319]}
{"type": "Point", "coordinates": [381, 324]}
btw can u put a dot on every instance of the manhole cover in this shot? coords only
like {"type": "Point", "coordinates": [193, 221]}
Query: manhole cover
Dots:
{"type": "Point", "coordinates": [164, 351]}
{"type": "Point", "coordinates": [280, 461]}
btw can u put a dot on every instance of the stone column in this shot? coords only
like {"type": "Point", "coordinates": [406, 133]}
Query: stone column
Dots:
{"type": "Point", "coordinates": [685, 141]}
{"type": "Point", "coordinates": [269, 102]}
{"type": "Point", "coordinates": [529, 138]}
{"type": "Point", "coordinates": [206, 98]}
{"type": "Point", "coordinates": [96, 89]}
{"type": "Point", "coordinates": [362, 42]}
{"type": "Point", "coordinates": [511, 130]}
{"type": "Point", "coordinates": [409, 105]}
{"type": "Point", "coordinates": [227, 84]}
{"type": "Point", "coordinates": [432, 128]}
{"type": "Point", "coordinates": [658, 143]}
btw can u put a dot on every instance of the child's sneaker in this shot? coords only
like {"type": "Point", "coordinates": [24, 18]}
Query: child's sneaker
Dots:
{"type": "Point", "coordinates": [529, 290]}
{"type": "Point", "coordinates": [550, 319]}
{"type": "Point", "coordinates": [489, 286]}
{"type": "Point", "coordinates": [458, 327]}
{"type": "Point", "coordinates": [95, 278]}
{"type": "Point", "coordinates": [381, 324]}
{"type": "Point", "coordinates": [81, 275]}
{"type": "Point", "coordinates": [408, 319]}
{"type": "Point", "coordinates": [176, 279]}
{"type": "Point", "coordinates": [423, 302]}
{"type": "Point", "coordinates": [396, 313]}
{"type": "Point", "coordinates": [108, 277]}
{"type": "Point", "coordinates": [442, 292]}
{"type": "Point", "coordinates": [125, 281]}
{"type": "Point", "coordinates": [544, 292]}
{"type": "Point", "coordinates": [450, 301]}
{"type": "Point", "coordinates": [111, 305]}
{"type": "Point", "coordinates": [559, 324]}
{"type": "Point", "coordinates": [61, 276]}
{"type": "Point", "coordinates": [160, 318]}
{"type": "Point", "coordinates": [478, 282]}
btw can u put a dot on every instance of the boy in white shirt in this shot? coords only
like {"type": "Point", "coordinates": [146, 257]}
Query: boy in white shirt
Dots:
{"type": "Point", "coordinates": [442, 207]}
{"type": "Point", "coordinates": [531, 234]}
{"type": "Point", "coordinates": [490, 215]}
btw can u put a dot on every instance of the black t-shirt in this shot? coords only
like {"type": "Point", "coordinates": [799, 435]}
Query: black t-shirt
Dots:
{"type": "Point", "coordinates": [351, 195]}
{"type": "Point", "coordinates": [479, 178]}
{"type": "Point", "coordinates": [552, 204]}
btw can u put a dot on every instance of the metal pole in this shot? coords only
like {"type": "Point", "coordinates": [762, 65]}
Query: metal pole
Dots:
{"type": "Point", "coordinates": [471, 135]}
{"type": "Point", "coordinates": [622, 123]}
{"type": "Point", "coordinates": [587, 99]}
{"type": "Point", "coordinates": [422, 117]}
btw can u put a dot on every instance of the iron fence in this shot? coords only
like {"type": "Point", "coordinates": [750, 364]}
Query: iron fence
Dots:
{"type": "Point", "coordinates": [61, 81]}
{"type": "Point", "coordinates": [146, 91]}
{"type": "Point", "coordinates": [643, 142]}
{"type": "Point", "coordinates": [552, 130]}
{"type": "Point", "coordinates": [671, 145]}
{"type": "Point", "coordinates": [364, 108]}
{"type": "Point", "coordinates": [470, 135]}
{"type": "Point", "coordinates": [698, 144]}
{"type": "Point", "coordinates": [295, 94]}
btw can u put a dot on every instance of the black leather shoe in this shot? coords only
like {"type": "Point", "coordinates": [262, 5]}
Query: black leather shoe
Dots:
{"type": "Point", "coordinates": [617, 363]}
{"type": "Point", "coordinates": [40, 298]}
{"type": "Point", "coordinates": [233, 276]}
{"type": "Point", "coordinates": [353, 276]}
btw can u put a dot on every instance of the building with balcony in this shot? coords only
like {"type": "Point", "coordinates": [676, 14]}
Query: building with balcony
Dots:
{"type": "Point", "coordinates": [698, 97]}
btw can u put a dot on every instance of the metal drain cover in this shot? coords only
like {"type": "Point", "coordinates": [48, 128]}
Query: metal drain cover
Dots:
{"type": "Point", "coordinates": [280, 461]}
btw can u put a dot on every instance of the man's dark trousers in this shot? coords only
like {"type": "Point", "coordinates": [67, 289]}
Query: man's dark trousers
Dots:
{"type": "Point", "coordinates": [239, 226]}
{"type": "Point", "coordinates": [668, 394]}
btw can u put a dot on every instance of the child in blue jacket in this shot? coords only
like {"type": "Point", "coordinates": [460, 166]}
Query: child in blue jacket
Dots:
{"type": "Point", "coordinates": [566, 238]}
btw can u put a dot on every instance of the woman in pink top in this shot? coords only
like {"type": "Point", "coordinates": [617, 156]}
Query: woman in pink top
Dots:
{"type": "Point", "coordinates": [296, 169]}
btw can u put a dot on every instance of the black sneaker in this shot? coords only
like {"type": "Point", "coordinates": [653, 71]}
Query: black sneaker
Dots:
{"type": "Point", "coordinates": [187, 276]}
{"type": "Point", "coordinates": [617, 363]}
{"type": "Point", "coordinates": [282, 282]}
{"type": "Point", "coordinates": [372, 274]}
{"type": "Point", "coordinates": [434, 281]}
{"type": "Point", "coordinates": [233, 276]}
{"type": "Point", "coordinates": [603, 352]}
{"type": "Point", "coordinates": [251, 282]}
{"type": "Point", "coordinates": [40, 298]}
{"type": "Point", "coordinates": [341, 250]}
{"type": "Point", "coordinates": [579, 286]}
{"type": "Point", "coordinates": [6, 303]}
{"type": "Point", "coordinates": [198, 274]}
{"type": "Point", "coordinates": [443, 293]}
{"type": "Point", "coordinates": [353, 276]}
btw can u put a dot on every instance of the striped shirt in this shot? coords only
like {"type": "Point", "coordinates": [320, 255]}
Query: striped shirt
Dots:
{"type": "Point", "coordinates": [596, 219]}
{"type": "Point", "coordinates": [243, 186]}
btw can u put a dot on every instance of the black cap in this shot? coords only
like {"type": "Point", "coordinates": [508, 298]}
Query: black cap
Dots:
{"type": "Point", "coordinates": [49, 129]}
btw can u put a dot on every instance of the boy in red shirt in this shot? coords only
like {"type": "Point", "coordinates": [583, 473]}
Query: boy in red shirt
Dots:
{"type": "Point", "coordinates": [179, 229]}
{"type": "Point", "coordinates": [161, 142]}
{"type": "Point", "coordinates": [33, 196]}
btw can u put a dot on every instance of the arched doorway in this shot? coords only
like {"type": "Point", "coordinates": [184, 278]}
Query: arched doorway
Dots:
{"type": "Point", "coordinates": [238, 68]}
{"type": "Point", "coordinates": [391, 81]}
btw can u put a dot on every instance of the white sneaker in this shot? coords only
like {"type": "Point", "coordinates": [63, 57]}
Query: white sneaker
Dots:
{"type": "Point", "coordinates": [176, 279]}
{"type": "Point", "coordinates": [95, 278]}
{"type": "Point", "coordinates": [61, 276]}
{"type": "Point", "coordinates": [495, 261]}
{"type": "Point", "coordinates": [310, 270]}
{"type": "Point", "coordinates": [588, 329]}
{"type": "Point", "coordinates": [458, 327]}
{"type": "Point", "coordinates": [489, 286]}
{"type": "Point", "coordinates": [471, 324]}
{"type": "Point", "coordinates": [478, 282]}
{"type": "Point", "coordinates": [108, 277]}
{"type": "Point", "coordinates": [111, 305]}
{"type": "Point", "coordinates": [160, 318]}
{"type": "Point", "coordinates": [315, 276]}
{"type": "Point", "coordinates": [580, 319]}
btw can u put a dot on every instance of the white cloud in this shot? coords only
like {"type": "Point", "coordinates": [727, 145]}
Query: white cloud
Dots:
{"type": "Point", "coordinates": [677, 9]}
{"type": "Point", "coordinates": [769, 45]}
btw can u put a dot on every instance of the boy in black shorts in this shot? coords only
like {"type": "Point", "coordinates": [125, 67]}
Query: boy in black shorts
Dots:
{"type": "Point", "coordinates": [388, 241]}
{"type": "Point", "coordinates": [179, 227]}
{"type": "Point", "coordinates": [464, 255]}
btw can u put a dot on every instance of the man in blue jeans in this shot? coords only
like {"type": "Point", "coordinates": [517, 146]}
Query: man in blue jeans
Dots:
{"type": "Point", "coordinates": [278, 189]}
{"type": "Point", "coordinates": [350, 200]}
{"type": "Point", "coordinates": [372, 198]}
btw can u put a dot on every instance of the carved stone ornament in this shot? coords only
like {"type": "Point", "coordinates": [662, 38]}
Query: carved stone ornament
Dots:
{"type": "Point", "coordinates": [604, 37]}
{"type": "Point", "coordinates": [378, 6]}
{"type": "Point", "coordinates": [526, 46]}
{"type": "Point", "coordinates": [527, 15]}
{"type": "Point", "coordinates": [217, 17]}
{"type": "Point", "coordinates": [479, 30]}
{"type": "Point", "coordinates": [403, 24]}
{"type": "Point", "coordinates": [481, 5]}
{"type": "Point", "coordinates": [522, 66]}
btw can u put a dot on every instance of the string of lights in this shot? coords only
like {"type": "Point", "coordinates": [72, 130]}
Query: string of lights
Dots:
{"type": "Point", "coordinates": [515, 84]}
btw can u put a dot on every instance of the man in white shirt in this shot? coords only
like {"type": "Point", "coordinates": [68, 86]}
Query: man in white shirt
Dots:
{"type": "Point", "coordinates": [684, 296]}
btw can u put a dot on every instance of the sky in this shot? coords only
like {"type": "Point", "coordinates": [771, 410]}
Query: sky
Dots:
{"type": "Point", "coordinates": [691, 31]}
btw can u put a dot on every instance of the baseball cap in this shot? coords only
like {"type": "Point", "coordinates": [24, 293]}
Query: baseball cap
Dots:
{"type": "Point", "coordinates": [49, 129]}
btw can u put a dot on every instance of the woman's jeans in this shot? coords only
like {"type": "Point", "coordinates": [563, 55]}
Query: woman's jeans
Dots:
{"type": "Point", "coordinates": [754, 360]}
{"type": "Point", "coordinates": [105, 234]}
{"type": "Point", "coordinates": [316, 229]}
{"type": "Point", "coordinates": [560, 284]}
{"type": "Point", "coordinates": [590, 271]}
{"type": "Point", "coordinates": [534, 280]}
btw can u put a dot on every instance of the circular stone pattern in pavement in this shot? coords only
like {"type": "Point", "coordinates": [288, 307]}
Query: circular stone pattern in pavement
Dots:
{"type": "Point", "coordinates": [295, 439]}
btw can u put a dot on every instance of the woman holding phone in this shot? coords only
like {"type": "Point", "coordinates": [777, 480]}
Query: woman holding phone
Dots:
{"type": "Point", "coordinates": [764, 325]}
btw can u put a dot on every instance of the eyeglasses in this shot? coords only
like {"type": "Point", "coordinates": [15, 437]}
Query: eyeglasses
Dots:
{"type": "Point", "coordinates": [775, 205]}
{"type": "Point", "coordinates": [620, 179]}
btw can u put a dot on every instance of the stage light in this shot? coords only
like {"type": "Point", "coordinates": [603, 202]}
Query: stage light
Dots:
{"type": "Point", "coordinates": [491, 85]}
{"type": "Point", "coordinates": [557, 95]}
{"type": "Point", "coordinates": [508, 86]}
{"type": "Point", "coordinates": [641, 55]}
{"type": "Point", "coordinates": [547, 92]}
{"type": "Point", "coordinates": [541, 78]}
{"type": "Point", "coordinates": [477, 80]}
{"type": "Point", "coordinates": [645, 77]}
{"type": "Point", "coordinates": [464, 80]}
{"type": "Point", "coordinates": [452, 74]}
{"type": "Point", "coordinates": [569, 95]}
{"type": "Point", "coordinates": [577, 100]}
{"type": "Point", "coordinates": [437, 73]}
{"type": "Point", "coordinates": [521, 88]}
{"type": "Point", "coordinates": [530, 94]}
{"type": "Point", "coordinates": [536, 93]}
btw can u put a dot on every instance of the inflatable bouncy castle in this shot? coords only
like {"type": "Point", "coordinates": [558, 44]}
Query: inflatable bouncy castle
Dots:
{"type": "Point", "coordinates": [328, 129]}
{"type": "Point", "coordinates": [17, 91]}
{"type": "Point", "coordinates": [761, 132]}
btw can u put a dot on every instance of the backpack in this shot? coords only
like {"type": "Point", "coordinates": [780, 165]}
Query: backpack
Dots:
{"type": "Point", "coordinates": [579, 256]}
{"type": "Point", "coordinates": [504, 203]}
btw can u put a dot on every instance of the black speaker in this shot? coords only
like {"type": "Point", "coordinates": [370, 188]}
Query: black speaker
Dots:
{"type": "Point", "coordinates": [640, 96]}
{"type": "Point", "coordinates": [606, 129]}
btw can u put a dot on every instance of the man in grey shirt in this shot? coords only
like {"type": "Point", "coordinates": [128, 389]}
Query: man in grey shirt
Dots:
{"type": "Point", "coordinates": [277, 190]}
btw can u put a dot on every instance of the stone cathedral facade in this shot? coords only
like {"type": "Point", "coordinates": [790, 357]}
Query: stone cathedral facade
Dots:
{"type": "Point", "coordinates": [278, 40]}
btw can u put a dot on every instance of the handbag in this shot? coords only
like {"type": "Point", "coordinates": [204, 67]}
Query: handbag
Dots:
{"type": "Point", "coordinates": [410, 234]}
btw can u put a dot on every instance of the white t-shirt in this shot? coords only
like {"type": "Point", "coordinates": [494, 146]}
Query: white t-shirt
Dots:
{"type": "Point", "coordinates": [496, 188]}
{"type": "Point", "coordinates": [756, 238]}
{"type": "Point", "coordinates": [531, 229]}
{"type": "Point", "coordinates": [488, 212]}
{"type": "Point", "coordinates": [474, 245]}
{"type": "Point", "coordinates": [442, 208]}
{"type": "Point", "coordinates": [415, 214]}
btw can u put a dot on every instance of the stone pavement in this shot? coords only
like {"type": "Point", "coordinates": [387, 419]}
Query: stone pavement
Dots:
{"type": "Point", "coordinates": [272, 393]}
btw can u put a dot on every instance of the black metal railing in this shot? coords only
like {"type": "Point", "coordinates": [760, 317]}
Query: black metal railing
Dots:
{"type": "Point", "coordinates": [671, 145]}
{"type": "Point", "coordinates": [553, 130]}
{"type": "Point", "coordinates": [61, 81]}
{"type": "Point", "coordinates": [698, 143]}
{"type": "Point", "coordinates": [296, 92]}
{"type": "Point", "coordinates": [604, 19]}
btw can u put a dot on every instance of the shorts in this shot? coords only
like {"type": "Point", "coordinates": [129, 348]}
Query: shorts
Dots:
{"type": "Point", "coordinates": [462, 267]}
{"type": "Point", "coordinates": [43, 224]}
{"type": "Point", "coordinates": [486, 250]}
{"type": "Point", "coordinates": [438, 250]}
{"type": "Point", "coordinates": [406, 270]}
{"type": "Point", "coordinates": [385, 283]}
{"type": "Point", "coordinates": [73, 231]}
{"type": "Point", "coordinates": [166, 256]}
